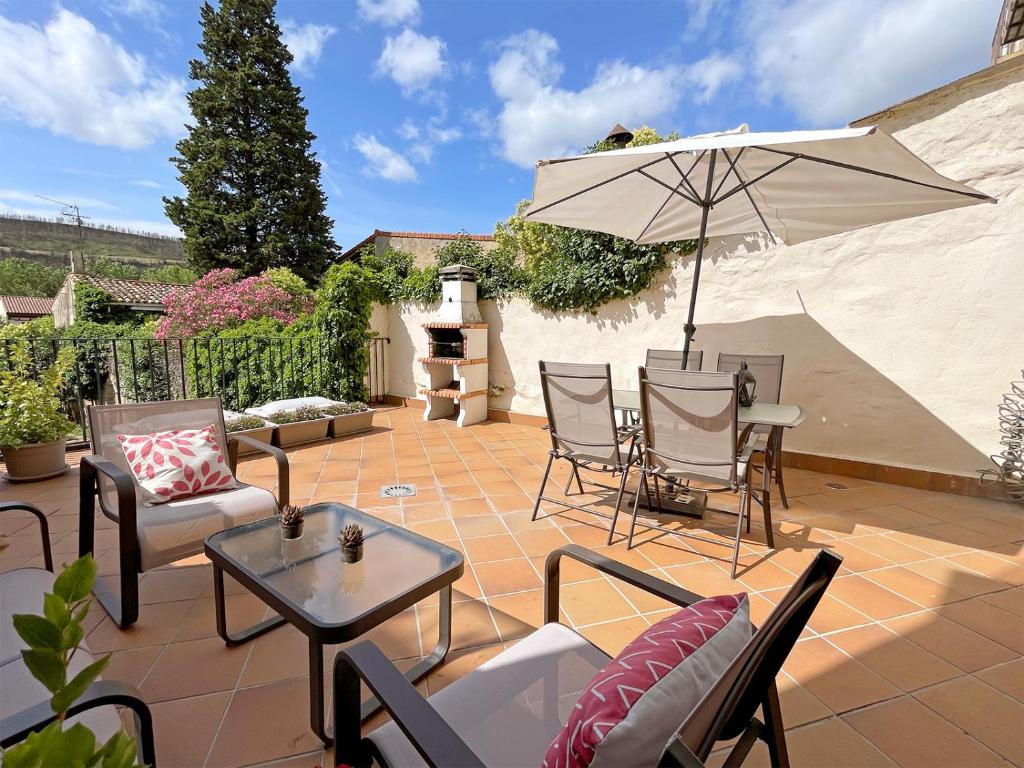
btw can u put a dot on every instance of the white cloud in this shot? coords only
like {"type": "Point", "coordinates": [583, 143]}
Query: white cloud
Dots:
{"type": "Point", "coordinates": [383, 161]}
{"type": "Point", "coordinates": [21, 196]}
{"type": "Point", "coordinates": [712, 72]}
{"type": "Point", "coordinates": [424, 140]}
{"type": "Point", "coordinates": [698, 17]}
{"type": "Point", "coordinates": [832, 62]}
{"type": "Point", "coordinates": [538, 119]}
{"type": "Point", "coordinates": [149, 11]}
{"type": "Point", "coordinates": [74, 80]}
{"type": "Point", "coordinates": [408, 130]}
{"type": "Point", "coordinates": [305, 41]}
{"type": "Point", "coordinates": [389, 13]}
{"type": "Point", "coordinates": [412, 60]}
{"type": "Point", "coordinates": [146, 184]}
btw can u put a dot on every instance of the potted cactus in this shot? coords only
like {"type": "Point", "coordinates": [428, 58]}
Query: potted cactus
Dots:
{"type": "Point", "coordinates": [348, 418]}
{"type": "Point", "coordinates": [292, 518]}
{"type": "Point", "coordinates": [304, 424]}
{"type": "Point", "coordinates": [253, 426]}
{"type": "Point", "coordinates": [351, 541]}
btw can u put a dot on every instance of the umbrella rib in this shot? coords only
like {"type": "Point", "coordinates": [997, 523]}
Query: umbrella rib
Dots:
{"type": "Point", "coordinates": [686, 176]}
{"type": "Point", "coordinates": [732, 167]}
{"type": "Point", "coordinates": [745, 184]}
{"type": "Point", "coordinates": [750, 197]}
{"type": "Point", "coordinates": [675, 189]}
{"type": "Point", "coordinates": [592, 187]}
{"type": "Point", "coordinates": [873, 172]}
{"type": "Point", "coordinates": [657, 213]}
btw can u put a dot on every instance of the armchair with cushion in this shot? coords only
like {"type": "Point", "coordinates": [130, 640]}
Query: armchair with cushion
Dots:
{"type": "Point", "coordinates": [155, 534]}
{"type": "Point", "coordinates": [513, 709]}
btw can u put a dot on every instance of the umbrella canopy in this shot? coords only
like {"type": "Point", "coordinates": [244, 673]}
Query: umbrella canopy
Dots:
{"type": "Point", "coordinates": [796, 185]}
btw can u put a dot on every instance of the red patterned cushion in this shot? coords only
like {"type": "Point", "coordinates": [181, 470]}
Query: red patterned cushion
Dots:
{"type": "Point", "coordinates": [183, 462]}
{"type": "Point", "coordinates": [632, 709]}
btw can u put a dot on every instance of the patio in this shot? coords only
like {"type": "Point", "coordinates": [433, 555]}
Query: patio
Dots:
{"type": "Point", "coordinates": [913, 659]}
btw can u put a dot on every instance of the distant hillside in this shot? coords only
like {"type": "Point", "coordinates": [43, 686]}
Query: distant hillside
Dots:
{"type": "Point", "coordinates": [49, 241]}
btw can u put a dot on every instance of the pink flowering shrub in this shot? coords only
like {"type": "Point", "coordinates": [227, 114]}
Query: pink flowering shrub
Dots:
{"type": "Point", "coordinates": [221, 300]}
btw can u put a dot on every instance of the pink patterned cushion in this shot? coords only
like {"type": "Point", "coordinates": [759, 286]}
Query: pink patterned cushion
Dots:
{"type": "Point", "coordinates": [632, 709]}
{"type": "Point", "coordinates": [170, 465]}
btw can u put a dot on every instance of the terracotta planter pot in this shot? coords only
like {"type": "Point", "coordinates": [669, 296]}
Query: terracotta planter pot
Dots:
{"type": "Point", "coordinates": [37, 461]}
{"type": "Point", "coordinates": [350, 423]}
{"type": "Point", "coordinates": [263, 434]}
{"type": "Point", "coordinates": [300, 432]}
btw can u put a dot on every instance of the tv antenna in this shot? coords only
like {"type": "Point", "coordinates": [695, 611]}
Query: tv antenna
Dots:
{"type": "Point", "coordinates": [70, 212]}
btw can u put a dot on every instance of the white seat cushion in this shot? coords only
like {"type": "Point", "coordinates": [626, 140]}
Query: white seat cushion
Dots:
{"type": "Point", "coordinates": [176, 529]}
{"type": "Point", "coordinates": [21, 591]}
{"type": "Point", "coordinates": [21, 691]}
{"type": "Point", "coordinates": [510, 708]}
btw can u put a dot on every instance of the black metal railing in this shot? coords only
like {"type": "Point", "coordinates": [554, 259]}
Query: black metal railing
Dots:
{"type": "Point", "coordinates": [243, 372]}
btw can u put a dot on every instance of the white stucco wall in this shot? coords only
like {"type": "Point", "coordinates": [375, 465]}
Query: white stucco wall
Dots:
{"type": "Point", "coordinates": [899, 339]}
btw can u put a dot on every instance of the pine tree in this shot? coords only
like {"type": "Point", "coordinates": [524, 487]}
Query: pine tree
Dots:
{"type": "Point", "coordinates": [254, 198]}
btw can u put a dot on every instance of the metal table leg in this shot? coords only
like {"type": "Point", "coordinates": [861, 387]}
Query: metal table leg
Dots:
{"type": "Point", "coordinates": [317, 708]}
{"type": "Point", "coordinates": [222, 624]}
{"type": "Point", "coordinates": [766, 487]}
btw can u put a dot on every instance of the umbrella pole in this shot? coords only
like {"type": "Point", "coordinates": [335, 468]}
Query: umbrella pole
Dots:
{"type": "Point", "coordinates": [690, 328]}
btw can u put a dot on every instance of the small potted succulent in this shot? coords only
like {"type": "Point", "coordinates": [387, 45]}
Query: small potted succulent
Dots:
{"type": "Point", "coordinates": [304, 424]}
{"type": "Point", "coordinates": [348, 418]}
{"type": "Point", "coordinates": [253, 426]}
{"type": "Point", "coordinates": [33, 431]}
{"type": "Point", "coordinates": [292, 518]}
{"type": "Point", "coordinates": [351, 541]}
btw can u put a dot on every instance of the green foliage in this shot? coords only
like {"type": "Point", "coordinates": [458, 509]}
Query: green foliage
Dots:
{"type": "Point", "coordinates": [642, 136]}
{"type": "Point", "coordinates": [395, 277]}
{"type": "Point", "coordinates": [30, 406]}
{"type": "Point", "coordinates": [498, 273]}
{"type": "Point", "coordinates": [244, 422]}
{"type": "Point", "coordinates": [289, 282]}
{"type": "Point", "coordinates": [344, 409]}
{"type": "Point", "coordinates": [253, 194]}
{"type": "Point", "coordinates": [53, 639]}
{"type": "Point", "coordinates": [94, 305]}
{"type": "Point", "coordinates": [24, 277]}
{"type": "Point", "coordinates": [342, 315]}
{"type": "Point", "coordinates": [302, 413]}
{"type": "Point", "coordinates": [104, 267]}
{"type": "Point", "coordinates": [171, 273]}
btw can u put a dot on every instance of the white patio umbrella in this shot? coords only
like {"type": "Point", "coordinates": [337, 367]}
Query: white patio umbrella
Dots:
{"type": "Point", "coordinates": [796, 186]}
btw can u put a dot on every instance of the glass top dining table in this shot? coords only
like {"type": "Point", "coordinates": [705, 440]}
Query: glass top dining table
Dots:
{"type": "Point", "coordinates": [767, 414]}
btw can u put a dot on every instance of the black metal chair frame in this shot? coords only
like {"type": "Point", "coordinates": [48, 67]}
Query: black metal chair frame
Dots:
{"type": "Point", "coordinates": [124, 609]}
{"type": "Point", "coordinates": [775, 472]}
{"type": "Point", "coordinates": [727, 711]}
{"type": "Point", "coordinates": [628, 433]}
{"type": "Point", "coordinates": [102, 693]}
{"type": "Point", "coordinates": [648, 470]}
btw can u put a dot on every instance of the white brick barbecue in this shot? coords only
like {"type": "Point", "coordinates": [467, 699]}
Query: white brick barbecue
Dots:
{"type": "Point", "coordinates": [456, 365]}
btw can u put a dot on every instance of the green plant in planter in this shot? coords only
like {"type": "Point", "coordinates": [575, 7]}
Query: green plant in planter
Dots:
{"type": "Point", "coordinates": [243, 423]}
{"type": "Point", "coordinates": [344, 409]}
{"type": "Point", "coordinates": [53, 640]}
{"type": "Point", "coordinates": [30, 407]}
{"type": "Point", "coordinates": [302, 413]}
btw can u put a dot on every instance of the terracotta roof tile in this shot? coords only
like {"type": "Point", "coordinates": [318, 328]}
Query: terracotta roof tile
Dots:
{"type": "Point", "coordinates": [130, 291]}
{"type": "Point", "coordinates": [27, 306]}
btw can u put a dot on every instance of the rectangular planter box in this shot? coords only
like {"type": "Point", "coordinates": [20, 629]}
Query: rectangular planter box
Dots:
{"type": "Point", "coordinates": [350, 423]}
{"type": "Point", "coordinates": [263, 434]}
{"type": "Point", "coordinates": [300, 432]}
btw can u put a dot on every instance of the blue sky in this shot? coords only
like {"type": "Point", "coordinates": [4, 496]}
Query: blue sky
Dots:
{"type": "Point", "coordinates": [430, 114]}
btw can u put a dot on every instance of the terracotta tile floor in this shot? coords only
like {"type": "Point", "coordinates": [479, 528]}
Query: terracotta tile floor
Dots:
{"type": "Point", "coordinates": [914, 659]}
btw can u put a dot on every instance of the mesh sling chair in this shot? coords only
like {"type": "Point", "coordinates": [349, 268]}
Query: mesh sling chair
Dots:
{"type": "Point", "coordinates": [581, 419]}
{"type": "Point", "coordinates": [507, 711]}
{"type": "Point", "coordinates": [767, 371]}
{"type": "Point", "coordinates": [673, 359]}
{"type": "Point", "coordinates": [153, 535]}
{"type": "Point", "coordinates": [690, 434]}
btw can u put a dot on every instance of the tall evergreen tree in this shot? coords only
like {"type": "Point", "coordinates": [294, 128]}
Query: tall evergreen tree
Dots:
{"type": "Point", "coordinates": [254, 198]}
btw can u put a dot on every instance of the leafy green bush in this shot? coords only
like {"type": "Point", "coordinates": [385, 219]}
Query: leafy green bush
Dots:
{"type": "Point", "coordinates": [244, 422]}
{"type": "Point", "coordinates": [102, 266]}
{"type": "Point", "coordinates": [498, 273]}
{"type": "Point", "coordinates": [395, 277]}
{"type": "Point", "coordinates": [52, 639]}
{"type": "Point", "coordinates": [31, 408]}
{"type": "Point", "coordinates": [24, 277]}
{"type": "Point", "coordinates": [302, 413]}
{"type": "Point", "coordinates": [342, 316]}
{"type": "Point", "coordinates": [171, 273]}
{"type": "Point", "coordinates": [344, 409]}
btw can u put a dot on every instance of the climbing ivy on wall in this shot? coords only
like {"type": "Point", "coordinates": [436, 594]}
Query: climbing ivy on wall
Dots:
{"type": "Point", "coordinates": [556, 268]}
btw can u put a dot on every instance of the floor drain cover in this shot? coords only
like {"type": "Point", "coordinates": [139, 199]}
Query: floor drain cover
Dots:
{"type": "Point", "coordinates": [395, 491]}
{"type": "Point", "coordinates": [835, 486]}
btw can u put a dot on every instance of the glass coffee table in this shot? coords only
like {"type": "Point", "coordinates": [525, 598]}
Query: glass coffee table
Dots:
{"type": "Point", "coordinates": [306, 582]}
